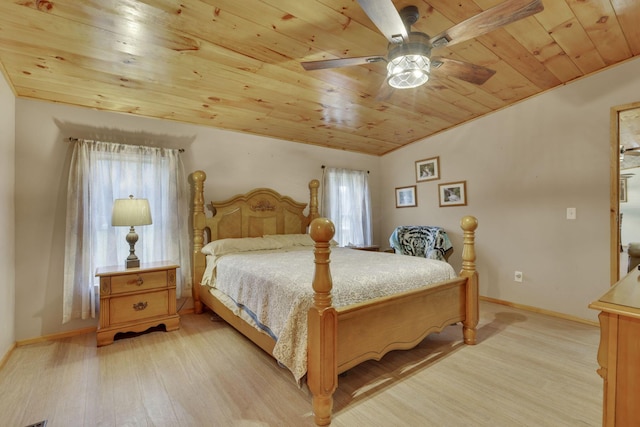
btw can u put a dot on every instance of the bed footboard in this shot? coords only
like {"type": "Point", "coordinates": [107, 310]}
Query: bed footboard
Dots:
{"type": "Point", "coordinates": [449, 302]}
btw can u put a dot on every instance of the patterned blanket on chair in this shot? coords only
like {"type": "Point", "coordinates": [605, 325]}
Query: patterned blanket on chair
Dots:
{"type": "Point", "coordinates": [421, 240]}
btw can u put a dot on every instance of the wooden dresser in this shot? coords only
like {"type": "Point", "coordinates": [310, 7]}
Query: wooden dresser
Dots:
{"type": "Point", "coordinates": [135, 299]}
{"type": "Point", "coordinates": [619, 351]}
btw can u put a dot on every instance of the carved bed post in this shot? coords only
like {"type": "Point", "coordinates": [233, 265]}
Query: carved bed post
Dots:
{"type": "Point", "coordinates": [469, 225]}
{"type": "Point", "coordinates": [199, 224]}
{"type": "Point", "coordinates": [322, 372]}
{"type": "Point", "coordinates": [313, 199]}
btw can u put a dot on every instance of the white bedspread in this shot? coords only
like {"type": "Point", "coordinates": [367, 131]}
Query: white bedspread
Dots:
{"type": "Point", "coordinates": [275, 286]}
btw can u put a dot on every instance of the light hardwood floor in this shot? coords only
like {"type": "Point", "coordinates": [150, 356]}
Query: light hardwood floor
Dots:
{"type": "Point", "coordinates": [527, 370]}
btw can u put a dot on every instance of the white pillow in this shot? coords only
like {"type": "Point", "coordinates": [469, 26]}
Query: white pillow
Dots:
{"type": "Point", "coordinates": [243, 244]}
{"type": "Point", "coordinates": [287, 240]}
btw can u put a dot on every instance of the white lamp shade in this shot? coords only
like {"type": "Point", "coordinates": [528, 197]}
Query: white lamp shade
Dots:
{"type": "Point", "coordinates": [130, 212]}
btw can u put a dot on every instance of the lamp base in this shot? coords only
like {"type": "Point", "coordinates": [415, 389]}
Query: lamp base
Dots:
{"type": "Point", "coordinates": [132, 263]}
{"type": "Point", "coordinates": [132, 260]}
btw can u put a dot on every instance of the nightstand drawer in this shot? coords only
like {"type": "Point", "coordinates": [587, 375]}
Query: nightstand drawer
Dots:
{"type": "Point", "coordinates": [136, 307]}
{"type": "Point", "coordinates": [138, 281]}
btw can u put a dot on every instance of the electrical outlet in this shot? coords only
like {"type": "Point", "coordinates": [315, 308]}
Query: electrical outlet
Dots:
{"type": "Point", "coordinates": [571, 213]}
{"type": "Point", "coordinates": [518, 276]}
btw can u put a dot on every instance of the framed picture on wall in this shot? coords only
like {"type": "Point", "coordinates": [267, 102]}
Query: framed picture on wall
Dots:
{"type": "Point", "coordinates": [428, 169]}
{"type": "Point", "coordinates": [453, 194]}
{"type": "Point", "coordinates": [406, 197]}
{"type": "Point", "coordinates": [623, 190]}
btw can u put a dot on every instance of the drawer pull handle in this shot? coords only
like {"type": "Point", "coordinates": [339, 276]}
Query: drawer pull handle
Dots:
{"type": "Point", "coordinates": [140, 306]}
{"type": "Point", "coordinates": [140, 281]}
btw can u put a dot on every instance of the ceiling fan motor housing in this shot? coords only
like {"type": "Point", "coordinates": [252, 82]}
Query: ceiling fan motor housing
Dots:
{"type": "Point", "coordinates": [409, 62]}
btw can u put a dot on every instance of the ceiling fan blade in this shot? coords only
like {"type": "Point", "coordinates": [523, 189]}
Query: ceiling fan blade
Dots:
{"type": "Point", "coordinates": [385, 16]}
{"type": "Point", "coordinates": [343, 62]}
{"type": "Point", "coordinates": [487, 21]}
{"type": "Point", "coordinates": [472, 73]}
{"type": "Point", "coordinates": [632, 151]}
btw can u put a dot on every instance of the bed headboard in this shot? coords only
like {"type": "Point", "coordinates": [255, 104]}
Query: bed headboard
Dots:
{"type": "Point", "coordinates": [253, 214]}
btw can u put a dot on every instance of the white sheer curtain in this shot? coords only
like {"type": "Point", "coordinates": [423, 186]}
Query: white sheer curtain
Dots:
{"type": "Point", "coordinates": [100, 173]}
{"type": "Point", "coordinates": [347, 202]}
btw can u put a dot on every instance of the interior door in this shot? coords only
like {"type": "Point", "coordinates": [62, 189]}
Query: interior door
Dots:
{"type": "Point", "coordinates": [625, 144]}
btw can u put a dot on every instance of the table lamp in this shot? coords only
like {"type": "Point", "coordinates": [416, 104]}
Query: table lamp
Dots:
{"type": "Point", "coordinates": [131, 212]}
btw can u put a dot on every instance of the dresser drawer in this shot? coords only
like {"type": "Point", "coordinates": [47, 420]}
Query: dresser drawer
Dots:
{"type": "Point", "coordinates": [129, 308]}
{"type": "Point", "coordinates": [138, 281]}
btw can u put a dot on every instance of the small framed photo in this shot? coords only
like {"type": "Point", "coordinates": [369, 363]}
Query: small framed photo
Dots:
{"type": "Point", "coordinates": [453, 194]}
{"type": "Point", "coordinates": [406, 197]}
{"type": "Point", "coordinates": [428, 169]}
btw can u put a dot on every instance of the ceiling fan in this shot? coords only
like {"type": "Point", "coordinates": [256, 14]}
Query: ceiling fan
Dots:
{"type": "Point", "coordinates": [409, 60]}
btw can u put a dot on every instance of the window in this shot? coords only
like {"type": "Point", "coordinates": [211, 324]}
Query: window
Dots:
{"type": "Point", "coordinates": [347, 202]}
{"type": "Point", "coordinates": [100, 173]}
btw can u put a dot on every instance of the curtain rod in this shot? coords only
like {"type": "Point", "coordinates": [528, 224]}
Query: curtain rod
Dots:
{"type": "Point", "coordinates": [323, 166]}
{"type": "Point", "coordinates": [73, 139]}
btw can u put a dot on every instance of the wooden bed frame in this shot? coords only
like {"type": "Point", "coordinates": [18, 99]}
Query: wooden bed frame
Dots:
{"type": "Point", "coordinates": [338, 338]}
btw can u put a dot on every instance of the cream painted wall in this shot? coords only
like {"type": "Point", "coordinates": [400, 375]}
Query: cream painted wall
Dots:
{"type": "Point", "coordinates": [7, 217]}
{"type": "Point", "coordinates": [234, 163]}
{"type": "Point", "coordinates": [524, 166]}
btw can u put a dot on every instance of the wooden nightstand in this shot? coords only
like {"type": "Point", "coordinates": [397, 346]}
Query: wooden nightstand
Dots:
{"type": "Point", "coordinates": [135, 299]}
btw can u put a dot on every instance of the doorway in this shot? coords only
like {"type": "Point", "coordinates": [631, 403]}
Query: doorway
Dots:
{"type": "Point", "coordinates": [624, 157]}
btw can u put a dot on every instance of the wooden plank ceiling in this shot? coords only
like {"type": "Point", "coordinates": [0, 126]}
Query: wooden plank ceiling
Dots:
{"type": "Point", "coordinates": [236, 64]}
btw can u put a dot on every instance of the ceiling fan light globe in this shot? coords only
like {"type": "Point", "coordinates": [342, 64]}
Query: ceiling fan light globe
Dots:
{"type": "Point", "coordinates": [408, 71]}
